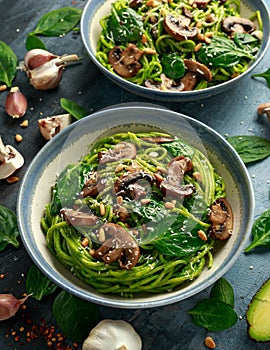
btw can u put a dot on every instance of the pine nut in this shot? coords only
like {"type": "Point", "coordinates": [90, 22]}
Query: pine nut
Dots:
{"type": "Point", "coordinates": [202, 235]}
{"type": "Point", "coordinates": [85, 242]}
{"type": "Point", "coordinates": [119, 200]}
{"type": "Point", "coordinates": [3, 87]}
{"type": "Point", "coordinates": [145, 201]}
{"type": "Point", "coordinates": [102, 209]}
{"type": "Point", "coordinates": [101, 235]}
{"type": "Point", "coordinates": [24, 124]}
{"type": "Point", "coordinates": [169, 205]}
{"type": "Point", "coordinates": [18, 138]}
{"type": "Point", "coordinates": [209, 343]}
{"type": "Point", "coordinates": [198, 47]}
{"type": "Point", "coordinates": [12, 179]}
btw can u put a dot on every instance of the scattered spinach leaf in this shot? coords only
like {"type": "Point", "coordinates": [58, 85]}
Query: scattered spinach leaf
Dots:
{"type": "Point", "coordinates": [265, 75]}
{"type": "Point", "coordinates": [8, 228]}
{"type": "Point", "coordinates": [214, 315]}
{"type": "Point", "coordinates": [77, 111]}
{"type": "Point", "coordinates": [125, 25]}
{"type": "Point", "coordinates": [223, 53]}
{"type": "Point", "coordinates": [37, 284]}
{"type": "Point", "coordinates": [34, 42]}
{"type": "Point", "coordinates": [250, 148]}
{"type": "Point", "coordinates": [75, 317]}
{"type": "Point", "coordinates": [173, 66]}
{"type": "Point", "coordinates": [260, 232]}
{"type": "Point", "coordinates": [58, 22]}
{"type": "Point", "coordinates": [223, 291]}
{"type": "Point", "coordinates": [8, 64]}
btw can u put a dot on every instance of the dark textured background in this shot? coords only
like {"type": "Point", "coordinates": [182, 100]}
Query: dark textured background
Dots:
{"type": "Point", "coordinates": [232, 113]}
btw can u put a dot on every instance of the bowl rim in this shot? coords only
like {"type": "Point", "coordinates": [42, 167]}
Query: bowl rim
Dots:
{"type": "Point", "coordinates": [103, 299]}
{"type": "Point", "coordinates": [182, 96]}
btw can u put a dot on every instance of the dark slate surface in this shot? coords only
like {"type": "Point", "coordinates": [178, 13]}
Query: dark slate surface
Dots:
{"type": "Point", "coordinates": [232, 113]}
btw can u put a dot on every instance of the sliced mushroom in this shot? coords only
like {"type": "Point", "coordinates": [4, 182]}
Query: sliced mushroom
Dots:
{"type": "Point", "coordinates": [93, 185]}
{"type": "Point", "coordinates": [135, 3]}
{"type": "Point", "coordinates": [178, 27]}
{"type": "Point", "coordinates": [113, 334]}
{"type": "Point", "coordinates": [264, 108]}
{"type": "Point", "coordinates": [10, 160]}
{"type": "Point", "coordinates": [51, 126]}
{"type": "Point", "coordinates": [221, 218]}
{"type": "Point", "coordinates": [165, 84]}
{"type": "Point", "coordinates": [125, 62]}
{"type": "Point", "coordinates": [120, 151]}
{"type": "Point", "coordinates": [173, 185]}
{"type": "Point", "coordinates": [79, 218]}
{"type": "Point", "coordinates": [234, 24]}
{"type": "Point", "coordinates": [133, 184]}
{"type": "Point", "coordinates": [158, 139]}
{"type": "Point", "coordinates": [120, 246]}
{"type": "Point", "coordinates": [199, 68]}
{"type": "Point", "coordinates": [190, 80]}
{"type": "Point", "coordinates": [201, 4]}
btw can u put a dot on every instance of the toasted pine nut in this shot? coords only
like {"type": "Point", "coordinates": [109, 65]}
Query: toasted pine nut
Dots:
{"type": "Point", "coordinates": [197, 176]}
{"type": "Point", "coordinates": [12, 179]}
{"type": "Point", "coordinates": [119, 168]}
{"type": "Point", "coordinates": [3, 87]}
{"type": "Point", "coordinates": [144, 39]}
{"type": "Point", "coordinates": [24, 124]}
{"type": "Point", "coordinates": [101, 235]}
{"type": "Point", "coordinates": [207, 40]}
{"type": "Point", "coordinates": [199, 24]}
{"type": "Point", "coordinates": [102, 209]}
{"type": "Point", "coordinates": [209, 343]}
{"type": "Point", "coordinates": [209, 35]}
{"type": "Point", "coordinates": [200, 37]}
{"type": "Point", "coordinates": [119, 200]}
{"type": "Point", "coordinates": [198, 47]}
{"type": "Point", "coordinates": [18, 138]}
{"type": "Point", "coordinates": [202, 235]}
{"type": "Point", "coordinates": [159, 177]}
{"type": "Point", "coordinates": [92, 251]}
{"type": "Point", "coordinates": [149, 51]}
{"type": "Point", "coordinates": [85, 242]}
{"type": "Point", "coordinates": [145, 201]}
{"type": "Point", "coordinates": [169, 205]}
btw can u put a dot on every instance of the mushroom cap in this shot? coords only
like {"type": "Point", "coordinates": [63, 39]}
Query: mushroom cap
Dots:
{"type": "Point", "coordinates": [113, 334]}
{"type": "Point", "coordinates": [12, 160]}
{"type": "Point", "coordinates": [264, 108]}
{"type": "Point", "coordinates": [178, 27]}
{"type": "Point", "coordinates": [233, 24]}
{"type": "Point", "coordinates": [51, 126]}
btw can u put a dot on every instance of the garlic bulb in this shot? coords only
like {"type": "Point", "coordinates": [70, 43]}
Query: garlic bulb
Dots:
{"type": "Point", "coordinates": [9, 305]}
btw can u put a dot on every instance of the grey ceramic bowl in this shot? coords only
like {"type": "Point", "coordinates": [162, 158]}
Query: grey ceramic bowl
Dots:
{"type": "Point", "coordinates": [91, 29]}
{"type": "Point", "coordinates": [72, 143]}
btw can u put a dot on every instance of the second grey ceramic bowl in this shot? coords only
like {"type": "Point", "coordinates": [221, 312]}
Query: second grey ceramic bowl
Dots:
{"type": "Point", "coordinates": [91, 29]}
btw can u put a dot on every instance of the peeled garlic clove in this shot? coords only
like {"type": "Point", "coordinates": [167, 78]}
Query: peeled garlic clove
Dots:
{"type": "Point", "coordinates": [16, 103]}
{"type": "Point", "coordinates": [10, 160]}
{"type": "Point", "coordinates": [9, 305]}
{"type": "Point", "coordinates": [37, 57]}
{"type": "Point", "coordinates": [51, 126]}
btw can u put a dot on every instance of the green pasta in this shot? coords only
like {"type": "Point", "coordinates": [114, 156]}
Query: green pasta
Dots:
{"type": "Point", "coordinates": [163, 223]}
{"type": "Point", "coordinates": [162, 53]}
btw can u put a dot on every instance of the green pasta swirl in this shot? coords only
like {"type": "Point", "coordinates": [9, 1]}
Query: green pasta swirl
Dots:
{"type": "Point", "coordinates": [234, 54]}
{"type": "Point", "coordinates": [164, 226]}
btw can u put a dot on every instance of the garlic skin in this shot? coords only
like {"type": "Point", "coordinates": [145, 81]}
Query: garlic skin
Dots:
{"type": "Point", "coordinates": [16, 103]}
{"type": "Point", "coordinates": [45, 69]}
{"type": "Point", "coordinates": [9, 305]}
{"type": "Point", "coordinates": [36, 57]}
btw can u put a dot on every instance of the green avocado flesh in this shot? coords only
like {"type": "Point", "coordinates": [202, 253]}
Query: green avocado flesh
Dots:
{"type": "Point", "coordinates": [258, 314]}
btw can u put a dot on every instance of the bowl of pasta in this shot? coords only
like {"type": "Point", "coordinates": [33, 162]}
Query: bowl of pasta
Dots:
{"type": "Point", "coordinates": [135, 206]}
{"type": "Point", "coordinates": [175, 50]}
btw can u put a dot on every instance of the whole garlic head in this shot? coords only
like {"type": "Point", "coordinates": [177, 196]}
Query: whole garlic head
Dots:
{"type": "Point", "coordinates": [113, 335]}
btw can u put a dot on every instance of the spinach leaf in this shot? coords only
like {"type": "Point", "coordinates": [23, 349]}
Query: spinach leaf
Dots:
{"type": "Point", "coordinates": [265, 75]}
{"type": "Point", "coordinates": [213, 314]}
{"type": "Point", "coordinates": [8, 64]}
{"type": "Point", "coordinates": [173, 66]}
{"type": "Point", "coordinates": [58, 22]}
{"type": "Point", "coordinates": [125, 25]}
{"type": "Point", "coordinates": [223, 291]}
{"type": "Point", "coordinates": [8, 228]}
{"type": "Point", "coordinates": [178, 147]}
{"type": "Point", "coordinates": [223, 53]}
{"type": "Point", "coordinates": [34, 42]}
{"type": "Point", "coordinates": [260, 232]}
{"type": "Point", "coordinates": [250, 148]}
{"type": "Point", "coordinates": [75, 317]}
{"type": "Point", "coordinates": [37, 284]}
{"type": "Point", "coordinates": [78, 112]}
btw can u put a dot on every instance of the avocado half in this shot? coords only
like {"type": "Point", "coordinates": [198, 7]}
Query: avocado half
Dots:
{"type": "Point", "coordinates": [257, 315]}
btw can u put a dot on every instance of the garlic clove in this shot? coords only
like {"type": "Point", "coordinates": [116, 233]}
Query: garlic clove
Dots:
{"type": "Point", "coordinates": [10, 160]}
{"type": "Point", "coordinates": [9, 305]}
{"type": "Point", "coordinates": [37, 57]}
{"type": "Point", "coordinates": [16, 103]}
{"type": "Point", "coordinates": [113, 334]}
{"type": "Point", "coordinates": [51, 126]}
{"type": "Point", "coordinates": [46, 77]}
